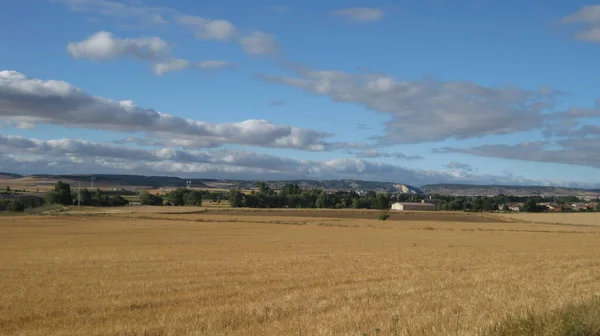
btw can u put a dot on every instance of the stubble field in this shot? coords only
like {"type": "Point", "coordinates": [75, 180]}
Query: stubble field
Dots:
{"type": "Point", "coordinates": [149, 272]}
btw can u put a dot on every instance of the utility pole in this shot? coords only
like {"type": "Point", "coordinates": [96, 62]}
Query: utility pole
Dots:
{"type": "Point", "coordinates": [92, 179]}
{"type": "Point", "coordinates": [79, 195]}
{"type": "Point", "coordinates": [188, 183]}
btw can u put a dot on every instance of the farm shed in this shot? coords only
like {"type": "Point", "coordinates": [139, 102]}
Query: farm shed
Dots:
{"type": "Point", "coordinates": [403, 206]}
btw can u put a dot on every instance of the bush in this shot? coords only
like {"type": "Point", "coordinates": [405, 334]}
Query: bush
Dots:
{"type": "Point", "coordinates": [60, 195]}
{"type": "Point", "coordinates": [147, 198]}
{"type": "Point", "coordinates": [15, 206]}
{"type": "Point", "coordinates": [384, 215]}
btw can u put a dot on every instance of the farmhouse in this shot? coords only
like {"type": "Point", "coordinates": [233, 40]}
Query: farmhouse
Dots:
{"type": "Point", "coordinates": [403, 206]}
{"type": "Point", "coordinates": [515, 207]}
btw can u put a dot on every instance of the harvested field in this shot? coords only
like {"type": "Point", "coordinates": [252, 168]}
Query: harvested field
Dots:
{"type": "Point", "coordinates": [586, 218]}
{"type": "Point", "coordinates": [150, 273]}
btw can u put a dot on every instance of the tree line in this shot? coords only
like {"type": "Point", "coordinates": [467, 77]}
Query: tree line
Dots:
{"type": "Point", "coordinates": [293, 196]}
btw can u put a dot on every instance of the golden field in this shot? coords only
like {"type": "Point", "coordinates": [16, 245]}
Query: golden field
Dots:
{"type": "Point", "coordinates": [178, 271]}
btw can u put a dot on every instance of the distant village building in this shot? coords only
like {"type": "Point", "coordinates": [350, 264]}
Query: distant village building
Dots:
{"type": "Point", "coordinates": [404, 206]}
{"type": "Point", "coordinates": [515, 207]}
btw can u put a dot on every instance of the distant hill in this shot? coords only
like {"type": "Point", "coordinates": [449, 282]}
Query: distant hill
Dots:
{"type": "Point", "coordinates": [154, 182]}
{"type": "Point", "coordinates": [4, 175]}
{"type": "Point", "coordinates": [126, 180]}
{"type": "Point", "coordinates": [115, 180]}
{"type": "Point", "coordinates": [489, 190]}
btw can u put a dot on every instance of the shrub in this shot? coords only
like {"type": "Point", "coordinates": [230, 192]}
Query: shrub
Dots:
{"type": "Point", "coordinates": [384, 215]}
{"type": "Point", "coordinates": [15, 206]}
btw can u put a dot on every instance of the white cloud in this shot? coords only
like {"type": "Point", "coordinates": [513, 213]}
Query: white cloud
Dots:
{"type": "Point", "coordinates": [37, 101]}
{"type": "Point", "coordinates": [588, 18]}
{"type": "Point", "coordinates": [78, 156]}
{"type": "Point", "coordinates": [430, 110]}
{"type": "Point", "coordinates": [362, 14]}
{"type": "Point", "coordinates": [103, 46]}
{"type": "Point", "coordinates": [581, 152]}
{"type": "Point", "coordinates": [259, 43]}
{"type": "Point", "coordinates": [207, 29]}
{"type": "Point", "coordinates": [177, 64]}
{"type": "Point", "coordinates": [170, 65]}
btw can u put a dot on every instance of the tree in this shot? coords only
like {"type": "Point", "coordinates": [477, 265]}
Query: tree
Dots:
{"type": "Point", "coordinates": [321, 201]}
{"type": "Point", "coordinates": [116, 200]}
{"type": "Point", "coordinates": [381, 201]}
{"type": "Point", "coordinates": [193, 197]}
{"type": "Point", "coordinates": [60, 195]}
{"type": "Point", "coordinates": [236, 198]}
{"type": "Point", "coordinates": [176, 197]}
{"type": "Point", "coordinates": [147, 198]}
{"type": "Point", "coordinates": [7, 189]}
{"type": "Point", "coordinates": [85, 197]}
{"type": "Point", "coordinates": [16, 206]}
{"type": "Point", "coordinates": [532, 206]}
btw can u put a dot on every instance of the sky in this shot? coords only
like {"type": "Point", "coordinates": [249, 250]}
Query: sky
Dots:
{"type": "Point", "coordinates": [414, 92]}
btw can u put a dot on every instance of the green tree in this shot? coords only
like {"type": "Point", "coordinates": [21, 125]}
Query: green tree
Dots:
{"type": "Point", "coordinates": [147, 198]}
{"type": "Point", "coordinates": [532, 206]}
{"type": "Point", "coordinates": [7, 189]}
{"type": "Point", "coordinates": [321, 201]}
{"type": "Point", "coordinates": [16, 206]}
{"type": "Point", "coordinates": [85, 197]}
{"type": "Point", "coordinates": [177, 196]}
{"type": "Point", "coordinates": [236, 198]}
{"type": "Point", "coordinates": [60, 195]}
{"type": "Point", "coordinates": [193, 197]}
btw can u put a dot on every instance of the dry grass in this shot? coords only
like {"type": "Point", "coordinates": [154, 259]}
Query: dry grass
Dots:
{"type": "Point", "coordinates": [150, 273]}
{"type": "Point", "coordinates": [575, 319]}
{"type": "Point", "coordinates": [577, 218]}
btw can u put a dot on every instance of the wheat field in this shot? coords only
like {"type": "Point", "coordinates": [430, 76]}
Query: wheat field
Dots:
{"type": "Point", "coordinates": [225, 273]}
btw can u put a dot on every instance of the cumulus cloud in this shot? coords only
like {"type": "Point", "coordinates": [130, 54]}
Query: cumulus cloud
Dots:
{"type": "Point", "coordinates": [361, 14]}
{"type": "Point", "coordinates": [78, 156]}
{"type": "Point", "coordinates": [588, 20]}
{"type": "Point", "coordinates": [104, 46]}
{"type": "Point", "coordinates": [575, 151]}
{"type": "Point", "coordinates": [25, 99]}
{"type": "Point", "coordinates": [176, 64]}
{"type": "Point", "coordinates": [255, 42]}
{"type": "Point", "coordinates": [82, 148]}
{"type": "Point", "coordinates": [429, 110]}
{"type": "Point", "coordinates": [259, 43]}
{"type": "Point", "coordinates": [170, 65]}
{"type": "Point", "coordinates": [207, 29]}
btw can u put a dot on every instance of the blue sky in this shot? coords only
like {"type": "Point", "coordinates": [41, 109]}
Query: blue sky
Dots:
{"type": "Point", "coordinates": [411, 92]}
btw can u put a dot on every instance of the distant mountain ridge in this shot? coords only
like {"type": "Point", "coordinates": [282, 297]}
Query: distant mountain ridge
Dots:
{"type": "Point", "coordinates": [169, 181]}
{"type": "Point", "coordinates": [141, 181]}
{"type": "Point", "coordinates": [490, 190]}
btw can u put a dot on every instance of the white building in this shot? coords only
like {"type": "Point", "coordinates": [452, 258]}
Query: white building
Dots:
{"type": "Point", "coordinates": [404, 206]}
